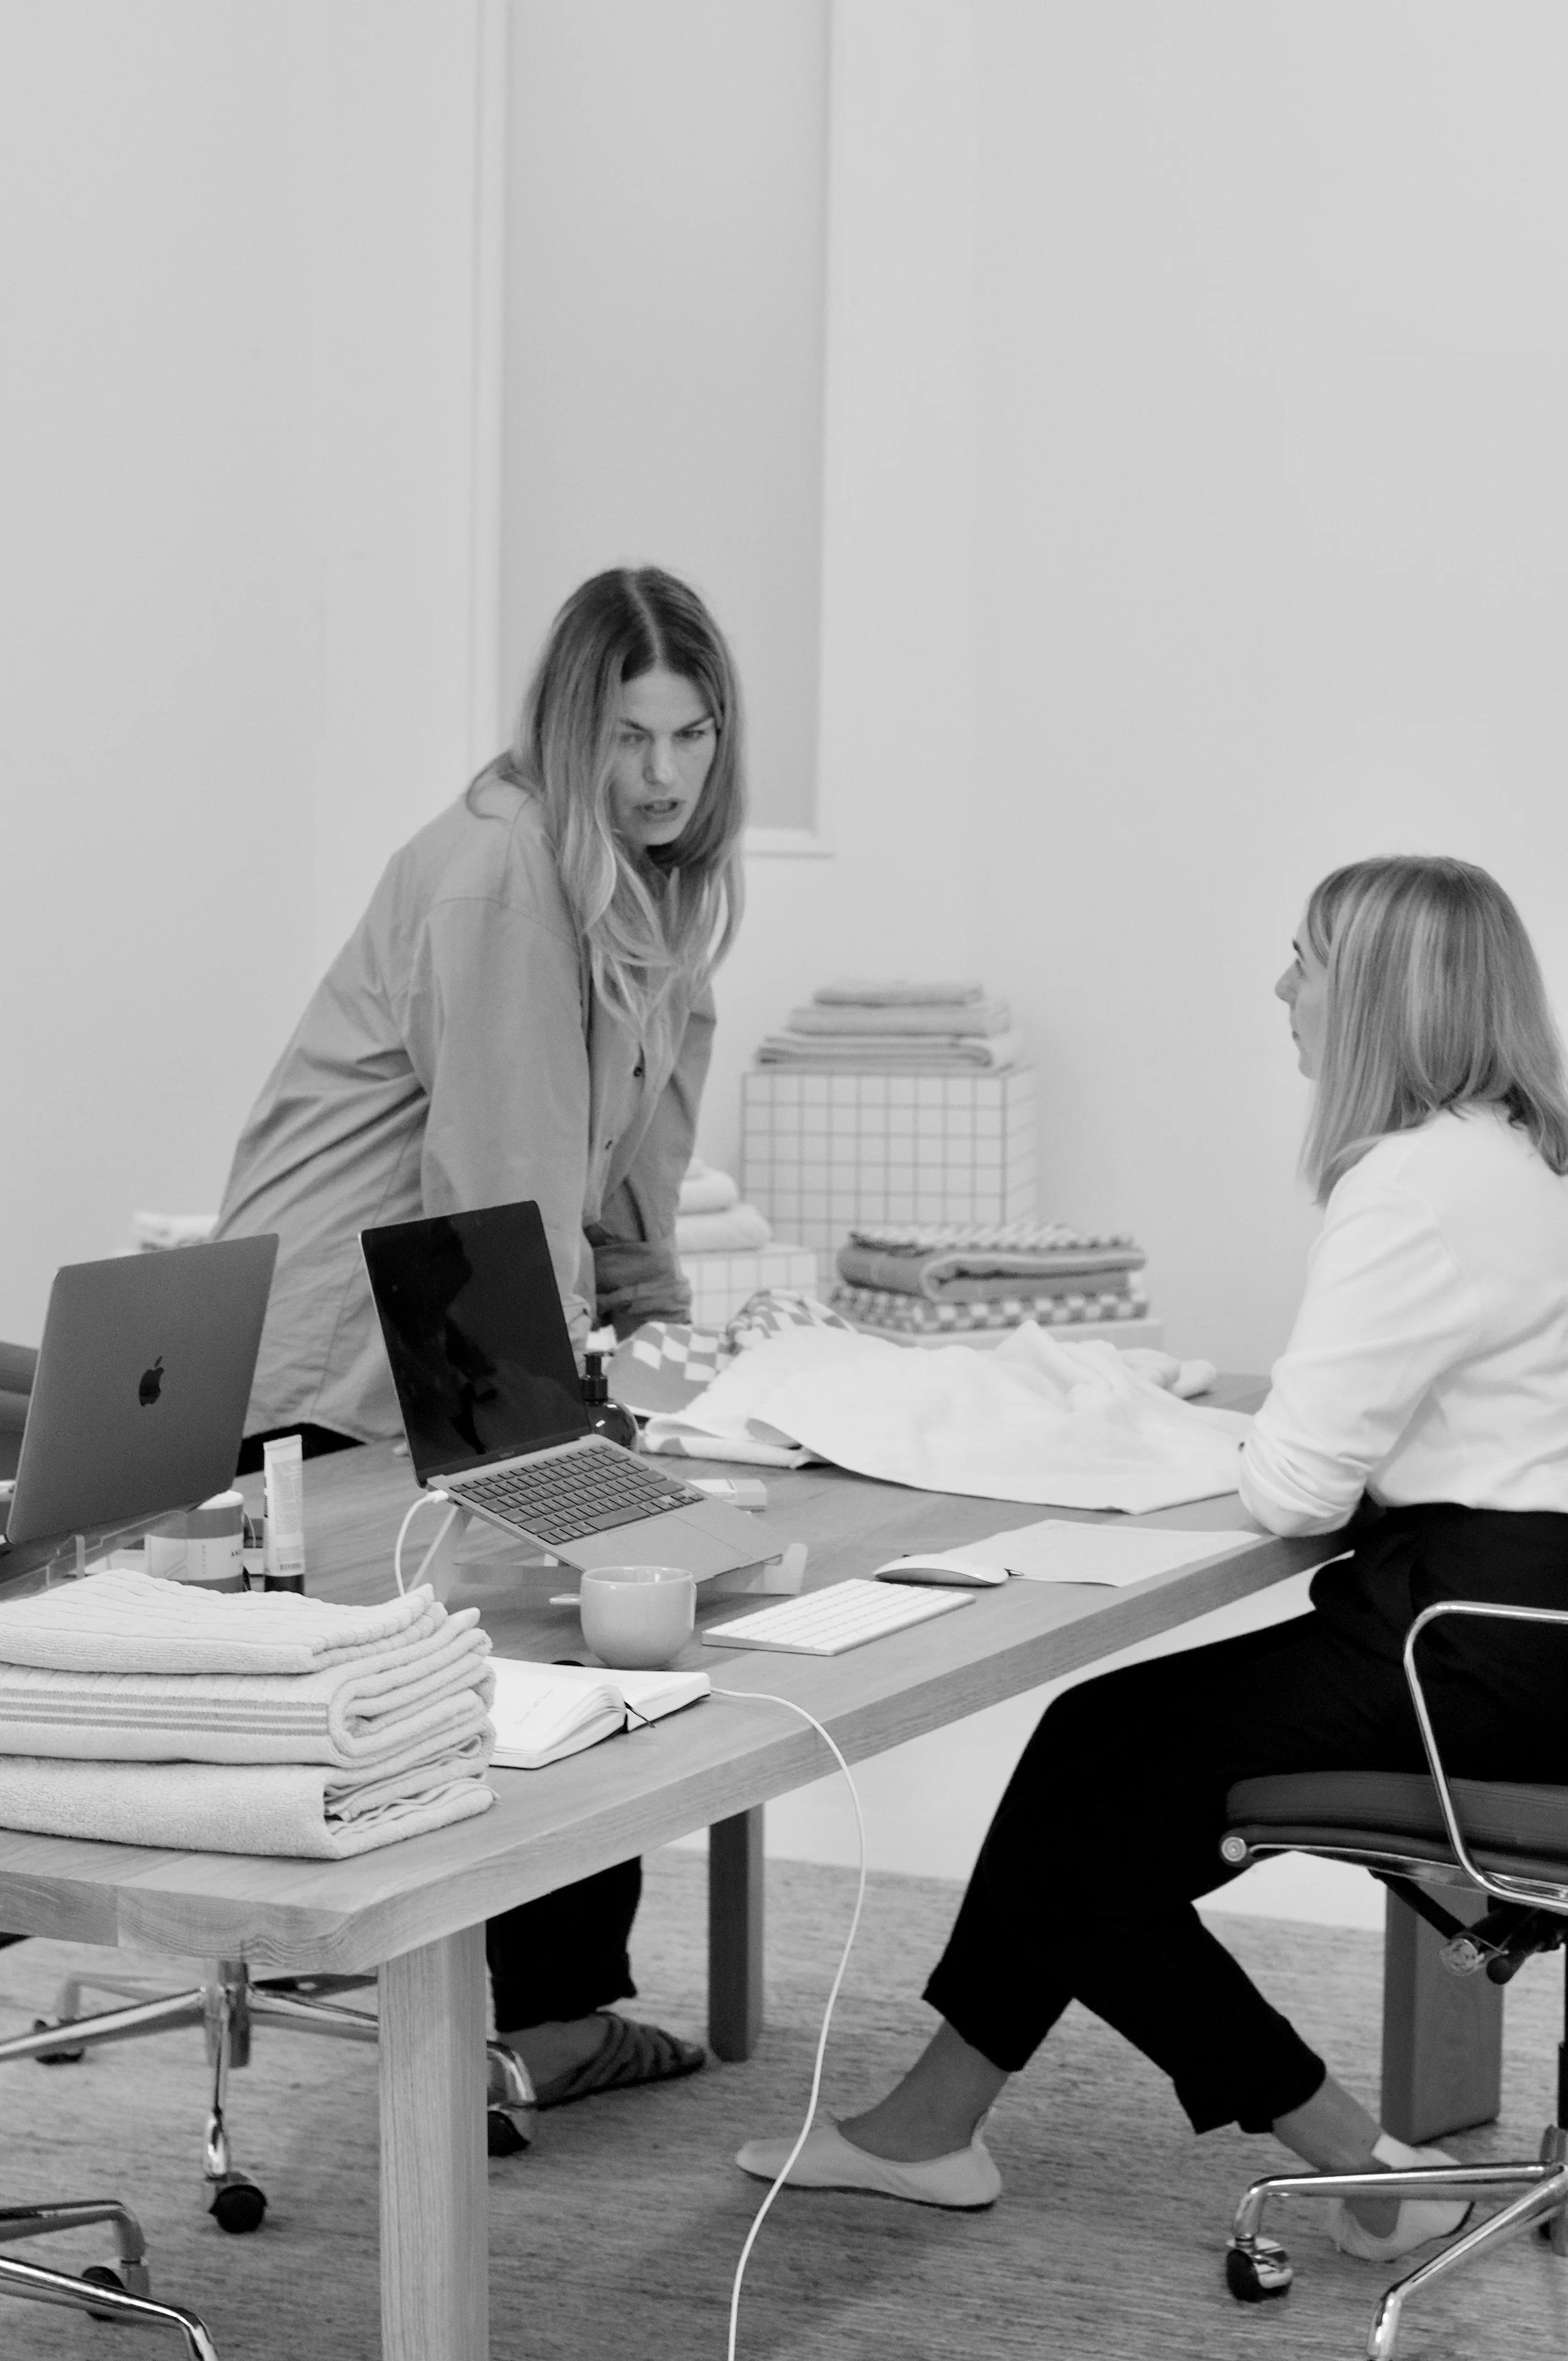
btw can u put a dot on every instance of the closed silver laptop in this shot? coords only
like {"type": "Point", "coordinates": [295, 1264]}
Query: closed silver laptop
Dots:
{"type": "Point", "coordinates": [138, 1403]}
{"type": "Point", "coordinates": [487, 1385]}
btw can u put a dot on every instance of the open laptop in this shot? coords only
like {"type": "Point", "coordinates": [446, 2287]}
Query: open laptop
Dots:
{"type": "Point", "coordinates": [487, 1386]}
{"type": "Point", "coordinates": [138, 1403]}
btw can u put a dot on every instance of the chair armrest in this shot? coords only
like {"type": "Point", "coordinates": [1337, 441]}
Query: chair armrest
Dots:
{"type": "Point", "coordinates": [1486, 1611]}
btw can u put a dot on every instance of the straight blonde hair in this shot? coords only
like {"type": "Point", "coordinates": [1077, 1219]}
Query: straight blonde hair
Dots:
{"type": "Point", "coordinates": [646, 919]}
{"type": "Point", "coordinates": [1435, 1001]}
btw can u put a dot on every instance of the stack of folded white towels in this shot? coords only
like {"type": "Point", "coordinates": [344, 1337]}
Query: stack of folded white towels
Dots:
{"type": "Point", "coordinates": [153, 1713]}
{"type": "Point", "coordinates": [896, 1027]}
{"type": "Point", "coordinates": [711, 1218]}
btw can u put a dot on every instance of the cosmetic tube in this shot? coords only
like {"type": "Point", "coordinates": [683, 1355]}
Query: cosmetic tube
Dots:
{"type": "Point", "coordinates": [284, 1480]}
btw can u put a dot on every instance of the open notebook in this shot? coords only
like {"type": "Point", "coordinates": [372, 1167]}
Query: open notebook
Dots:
{"type": "Point", "coordinates": [544, 1711]}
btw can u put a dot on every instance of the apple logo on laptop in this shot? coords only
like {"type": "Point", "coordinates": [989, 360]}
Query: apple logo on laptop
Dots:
{"type": "Point", "coordinates": [151, 1384]}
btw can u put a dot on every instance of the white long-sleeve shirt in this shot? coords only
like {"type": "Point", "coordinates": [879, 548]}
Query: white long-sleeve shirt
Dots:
{"type": "Point", "coordinates": [1428, 1360]}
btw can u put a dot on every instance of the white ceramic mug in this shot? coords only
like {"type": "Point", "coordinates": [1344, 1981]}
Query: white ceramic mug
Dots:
{"type": "Point", "coordinates": [637, 1616]}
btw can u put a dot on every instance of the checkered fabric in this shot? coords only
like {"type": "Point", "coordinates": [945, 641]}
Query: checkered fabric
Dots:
{"type": "Point", "coordinates": [664, 1365]}
{"type": "Point", "coordinates": [917, 1316]}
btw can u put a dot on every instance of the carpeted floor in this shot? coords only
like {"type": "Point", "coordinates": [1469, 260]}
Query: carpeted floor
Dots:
{"type": "Point", "coordinates": [617, 2235]}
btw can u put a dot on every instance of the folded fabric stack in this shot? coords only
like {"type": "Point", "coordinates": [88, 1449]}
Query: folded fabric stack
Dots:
{"type": "Point", "coordinates": [148, 1712]}
{"type": "Point", "coordinates": [712, 1220]}
{"type": "Point", "coordinates": [896, 1028]}
{"type": "Point", "coordinates": [924, 1277]}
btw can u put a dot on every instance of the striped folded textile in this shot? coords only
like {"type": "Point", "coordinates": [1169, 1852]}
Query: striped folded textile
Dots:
{"type": "Point", "coordinates": [910, 1021]}
{"type": "Point", "coordinates": [896, 992]}
{"type": "Point", "coordinates": [917, 1316]}
{"type": "Point", "coordinates": [126, 1622]}
{"type": "Point", "coordinates": [1021, 1259]}
{"type": "Point", "coordinates": [292, 1809]}
{"type": "Point", "coordinates": [891, 1053]}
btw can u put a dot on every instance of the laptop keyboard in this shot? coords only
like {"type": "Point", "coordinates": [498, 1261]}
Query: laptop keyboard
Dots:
{"type": "Point", "coordinates": [583, 1492]}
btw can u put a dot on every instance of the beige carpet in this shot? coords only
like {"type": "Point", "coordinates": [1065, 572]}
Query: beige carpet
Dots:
{"type": "Point", "coordinates": [617, 2235]}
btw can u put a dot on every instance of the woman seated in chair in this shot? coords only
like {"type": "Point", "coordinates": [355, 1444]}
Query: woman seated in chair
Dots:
{"type": "Point", "coordinates": [1424, 1394]}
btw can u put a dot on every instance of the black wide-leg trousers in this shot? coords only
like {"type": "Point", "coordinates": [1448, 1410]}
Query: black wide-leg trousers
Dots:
{"type": "Point", "coordinates": [1110, 1826]}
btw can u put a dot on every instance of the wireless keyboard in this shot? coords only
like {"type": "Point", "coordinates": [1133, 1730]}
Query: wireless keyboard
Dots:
{"type": "Point", "coordinates": [827, 1622]}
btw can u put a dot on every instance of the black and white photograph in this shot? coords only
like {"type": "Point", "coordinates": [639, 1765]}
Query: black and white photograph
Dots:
{"type": "Point", "coordinates": [784, 1220]}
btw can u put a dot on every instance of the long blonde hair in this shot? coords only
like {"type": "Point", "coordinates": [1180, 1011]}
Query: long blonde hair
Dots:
{"type": "Point", "coordinates": [645, 919]}
{"type": "Point", "coordinates": [1434, 1001]}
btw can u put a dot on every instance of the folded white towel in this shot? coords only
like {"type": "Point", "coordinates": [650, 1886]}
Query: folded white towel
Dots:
{"type": "Point", "coordinates": [124, 1621]}
{"type": "Point", "coordinates": [339, 1717]}
{"type": "Point", "coordinates": [741, 1229]}
{"type": "Point", "coordinates": [706, 1190]}
{"type": "Point", "coordinates": [314, 1814]}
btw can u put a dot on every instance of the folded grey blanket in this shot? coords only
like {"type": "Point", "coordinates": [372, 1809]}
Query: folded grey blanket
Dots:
{"type": "Point", "coordinates": [987, 1275]}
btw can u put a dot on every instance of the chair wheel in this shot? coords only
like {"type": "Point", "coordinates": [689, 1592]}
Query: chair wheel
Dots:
{"type": "Point", "coordinates": [238, 2206]}
{"type": "Point", "coordinates": [1260, 2273]}
{"type": "Point", "coordinates": [55, 2057]}
{"type": "Point", "coordinates": [130, 2278]}
{"type": "Point", "coordinates": [502, 2137]}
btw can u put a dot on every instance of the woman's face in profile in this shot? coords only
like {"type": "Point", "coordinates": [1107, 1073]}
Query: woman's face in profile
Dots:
{"type": "Point", "coordinates": [1304, 989]}
{"type": "Point", "coordinates": [664, 745]}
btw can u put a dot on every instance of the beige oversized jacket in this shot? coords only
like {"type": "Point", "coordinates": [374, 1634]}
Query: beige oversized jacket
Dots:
{"type": "Point", "coordinates": [455, 1056]}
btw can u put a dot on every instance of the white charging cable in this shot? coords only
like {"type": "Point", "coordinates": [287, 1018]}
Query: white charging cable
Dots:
{"type": "Point", "coordinates": [761, 1696]}
{"type": "Point", "coordinates": [414, 1507]}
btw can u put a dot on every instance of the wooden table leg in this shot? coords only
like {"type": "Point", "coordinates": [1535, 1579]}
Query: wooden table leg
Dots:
{"type": "Point", "coordinates": [1442, 2034]}
{"type": "Point", "coordinates": [435, 2294]}
{"type": "Point", "coordinates": [735, 1935]}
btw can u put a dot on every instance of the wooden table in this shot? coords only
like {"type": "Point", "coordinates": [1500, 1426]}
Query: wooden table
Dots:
{"type": "Point", "coordinates": [415, 1911]}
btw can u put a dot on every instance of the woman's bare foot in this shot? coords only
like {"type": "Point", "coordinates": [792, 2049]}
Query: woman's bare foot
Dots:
{"type": "Point", "coordinates": [1335, 2132]}
{"type": "Point", "coordinates": [933, 2111]}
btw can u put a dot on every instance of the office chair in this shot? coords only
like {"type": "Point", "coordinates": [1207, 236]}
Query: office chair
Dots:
{"type": "Point", "coordinates": [226, 2004]}
{"type": "Point", "coordinates": [117, 2290]}
{"type": "Point", "coordinates": [1506, 1841]}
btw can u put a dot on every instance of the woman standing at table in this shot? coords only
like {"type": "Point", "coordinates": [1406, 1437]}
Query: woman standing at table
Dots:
{"type": "Point", "coordinates": [523, 1012]}
{"type": "Point", "coordinates": [1426, 1377]}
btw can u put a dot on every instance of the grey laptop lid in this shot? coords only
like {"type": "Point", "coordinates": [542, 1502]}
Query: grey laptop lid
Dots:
{"type": "Point", "coordinates": [143, 1380]}
{"type": "Point", "coordinates": [480, 1352]}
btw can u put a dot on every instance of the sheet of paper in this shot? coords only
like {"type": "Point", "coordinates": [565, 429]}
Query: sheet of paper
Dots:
{"type": "Point", "coordinates": [1056, 1550]}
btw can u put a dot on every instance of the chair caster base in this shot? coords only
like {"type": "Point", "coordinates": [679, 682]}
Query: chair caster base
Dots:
{"type": "Point", "coordinates": [130, 2278]}
{"type": "Point", "coordinates": [1258, 2272]}
{"type": "Point", "coordinates": [55, 2057]}
{"type": "Point", "coordinates": [236, 2205]}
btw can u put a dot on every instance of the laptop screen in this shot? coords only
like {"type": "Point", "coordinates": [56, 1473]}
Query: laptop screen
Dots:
{"type": "Point", "coordinates": [480, 1353]}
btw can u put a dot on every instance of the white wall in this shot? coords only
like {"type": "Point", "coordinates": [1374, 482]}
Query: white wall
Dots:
{"type": "Point", "coordinates": [234, 588]}
{"type": "Point", "coordinates": [664, 290]}
{"type": "Point", "coordinates": [1273, 501]}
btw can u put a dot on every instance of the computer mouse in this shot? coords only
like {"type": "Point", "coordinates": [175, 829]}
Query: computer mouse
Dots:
{"type": "Point", "coordinates": [958, 1569]}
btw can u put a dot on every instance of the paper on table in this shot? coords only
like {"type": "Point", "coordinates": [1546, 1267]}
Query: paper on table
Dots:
{"type": "Point", "coordinates": [1056, 1550]}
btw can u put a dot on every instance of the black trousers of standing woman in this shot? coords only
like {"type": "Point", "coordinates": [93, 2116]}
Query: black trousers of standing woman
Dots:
{"type": "Point", "coordinates": [1111, 1825]}
{"type": "Point", "coordinates": [563, 1955]}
